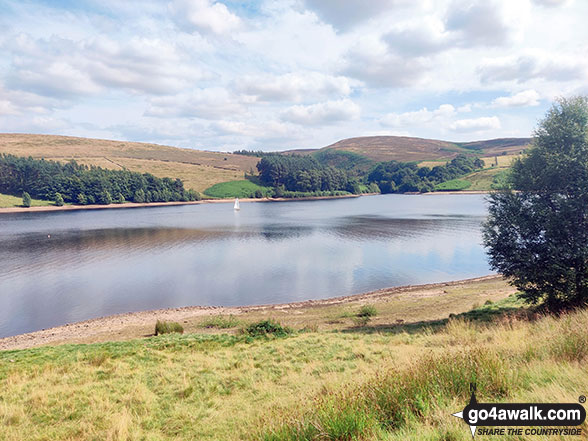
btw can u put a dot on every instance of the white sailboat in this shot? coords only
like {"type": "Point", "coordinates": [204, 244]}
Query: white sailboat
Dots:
{"type": "Point", "coordinates": [236, 207]}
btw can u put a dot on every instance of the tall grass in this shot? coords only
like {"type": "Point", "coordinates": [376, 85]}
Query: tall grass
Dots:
{"type": "Point", "coordinates": [162, 327]}
{"type": "Point", "coordinates": [221, 322]}
{"type": "Point", "coordinates": [392, 399]}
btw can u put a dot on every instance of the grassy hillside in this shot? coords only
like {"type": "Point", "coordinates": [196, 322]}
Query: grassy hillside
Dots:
{"type": "Point", "coordinates": [238, 189]}
{"type": "Point", "coordinates": [337, 375]}
{"type": "Point", "coordinates": [406, 149]}
{"type": "Point", "coordinates": [198, 169]}
{"type": "Point", "coordinates": [12, 201]}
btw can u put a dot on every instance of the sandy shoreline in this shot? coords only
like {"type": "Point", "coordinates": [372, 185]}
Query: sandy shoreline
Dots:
{"type": "Point", "coordinates": [140, 324]}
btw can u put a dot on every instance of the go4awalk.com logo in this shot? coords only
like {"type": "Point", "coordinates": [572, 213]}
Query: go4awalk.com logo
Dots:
{"type": "Point", "coordinates": [545, 419]}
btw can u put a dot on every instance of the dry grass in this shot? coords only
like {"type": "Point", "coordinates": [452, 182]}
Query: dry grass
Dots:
{"type": "Point", "coordinates": [198, 169]}
{"type": "Point", "coordinates": [504, 161]}
{"type": "Point", "coordinates": [401, 148]}
{"type": "Point", "coordinates": [224, 387]}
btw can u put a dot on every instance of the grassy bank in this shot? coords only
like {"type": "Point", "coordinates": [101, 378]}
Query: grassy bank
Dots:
{"type": "Point", "coordinates": [364, 382]}
{"type": "Point", "coordinates": [9, 201]}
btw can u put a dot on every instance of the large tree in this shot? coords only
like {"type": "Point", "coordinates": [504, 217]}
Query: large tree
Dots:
{"type": "Point", "coordinates": [537, 235]}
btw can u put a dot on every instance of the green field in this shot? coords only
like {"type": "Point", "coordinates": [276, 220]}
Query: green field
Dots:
{"type": "Point", "coordinates": [237, 189]}
{"type": "Point", "coordinates": [7, 201]}
{"type": "Point", "coordinates": [453, 185]}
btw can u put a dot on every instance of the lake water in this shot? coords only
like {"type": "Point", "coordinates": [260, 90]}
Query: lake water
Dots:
{"type": "Point", "coordinates": [102, 262]}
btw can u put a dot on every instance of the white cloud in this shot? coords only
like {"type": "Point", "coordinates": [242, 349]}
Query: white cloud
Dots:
{"type": "Point", "coordinates": [427, 36]}
{"type": "Point", "coordinates": [64, 69]}
{"type": "Point", "coordinates": [211, 103]}
{"type": "Point", "coordinates": [551, 3]}
{"type": "Point", "coordinates": [419, 117]}
{"type": "Point", "coordinates": [204, 16]}
{"type": "Point", "coordinates": [346, 14]}
{"type": "Point", "coordinates": [322, 113]}
{"type": "Point", "coordinates": [522, 99]}
{"type": "Point", "coordinates": [476, 124]}
{"type": "Point", "coordinates": [525, 67]}
{"type": "Point", "coordinates": [488, 23]}
{"type": "Point", "coordinates": [7, 108]}
{"type": "Point", "coordinates": [296, 86]}
{"type": "Point", "coordinates": [371, 61]}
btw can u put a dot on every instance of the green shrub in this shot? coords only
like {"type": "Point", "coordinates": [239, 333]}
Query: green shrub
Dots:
{"type": "Point", "coordinates": [81, 199]}
{"type": "Point", "coordinates": [26, 199]}
{"type": "Point", "coordinates": [168, 328]}
{"type": "Point", "coordinates": [267, 327]}
{"type": "Point", "coordinates": [367, 311]}
{"type": "Point", "coordinates": [58, 200]}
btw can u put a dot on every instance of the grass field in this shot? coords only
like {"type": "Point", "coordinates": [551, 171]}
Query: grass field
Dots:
{"type": "Point", "coordinates": [198, 169]}
{"type": "Point", "coordinates": [237, 189]}
{"type": "Point", "coordinates": [13, 201]}
{"type": "Point", "coordinates": [321, 382]}
{"type": "Point", "coordinates": [453, 185]}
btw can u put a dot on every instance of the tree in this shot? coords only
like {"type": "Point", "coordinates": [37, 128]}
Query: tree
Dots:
{"type": "Point", "coordinates": [26, 199]}
{"type": "Point", "coordinates": [139, 196]}
{"type": "Point", "coordinates": [82, 199]}
{"type": "Point", "coordinates": [58, 200]}
{"type": "Point", "coordinates": [538, 235]}
{"type": "Point", "coordinates": [105, 198]}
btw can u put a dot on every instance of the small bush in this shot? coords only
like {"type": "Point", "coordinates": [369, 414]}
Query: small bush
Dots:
{"type": "Point", "coordinates": [367, 311]}
{"type": "Point", "coordinates": [168, 328]}
{"type": "Point", "coordinates": [58, 200]}
{"type": "Point", "coordinates": [267, 327]}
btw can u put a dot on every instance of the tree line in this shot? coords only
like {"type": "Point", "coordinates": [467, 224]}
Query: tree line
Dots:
{"type": "Point", "coordinates": [86, 185]}
{"type": "Point", "coordinates": [403, 177]}
{"type": "Point", "coordinates": [304, 174]}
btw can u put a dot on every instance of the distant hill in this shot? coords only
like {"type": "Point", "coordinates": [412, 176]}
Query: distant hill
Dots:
{"type": "Point", "coordinates": [402, 148]}
{"type": "Point", "coordinates": [198, 169]}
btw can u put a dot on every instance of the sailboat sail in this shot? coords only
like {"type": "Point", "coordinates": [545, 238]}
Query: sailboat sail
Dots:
{"type": "Point", "coordinates": [236, 206]}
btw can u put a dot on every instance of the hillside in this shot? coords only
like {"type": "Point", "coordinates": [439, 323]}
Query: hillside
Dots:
{"type": "Point", "coordinates": [198, 169]}
{"type": "Point", "coordinates": [401, 148]}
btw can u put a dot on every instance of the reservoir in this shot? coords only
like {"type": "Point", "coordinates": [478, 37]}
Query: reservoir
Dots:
{"type": "Point", "coordinates": [65, 266]}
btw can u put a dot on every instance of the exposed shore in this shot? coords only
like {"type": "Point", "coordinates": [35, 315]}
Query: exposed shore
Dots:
{"type": "Point", "coordinates": [407, 303]}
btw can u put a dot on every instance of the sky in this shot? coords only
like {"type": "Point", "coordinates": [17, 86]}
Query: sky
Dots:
{"type": "Point", "coordinates": [282, 74]}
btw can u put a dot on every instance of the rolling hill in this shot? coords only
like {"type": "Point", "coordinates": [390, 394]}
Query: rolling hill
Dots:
{"type": "Point", "coordinates": [401, 148]}
{"type": "Point", "coordinates": [198, 169]}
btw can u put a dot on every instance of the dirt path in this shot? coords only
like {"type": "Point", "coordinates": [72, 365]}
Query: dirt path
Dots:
{"type": "Point", "coordinates": [140, 324]}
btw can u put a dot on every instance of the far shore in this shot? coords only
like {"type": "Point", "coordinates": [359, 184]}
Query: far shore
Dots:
{"type": "Point", "coordinates": [410, 304]}
{"type": "Point", "coordinates": [73, 207]}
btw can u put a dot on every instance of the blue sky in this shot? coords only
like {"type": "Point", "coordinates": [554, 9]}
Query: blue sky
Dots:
{"type": "Point", "coordinates": [280, 74]}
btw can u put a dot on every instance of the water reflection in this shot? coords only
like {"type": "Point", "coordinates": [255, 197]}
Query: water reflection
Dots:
{"type": "Point", "coordinates": [98, 263]}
